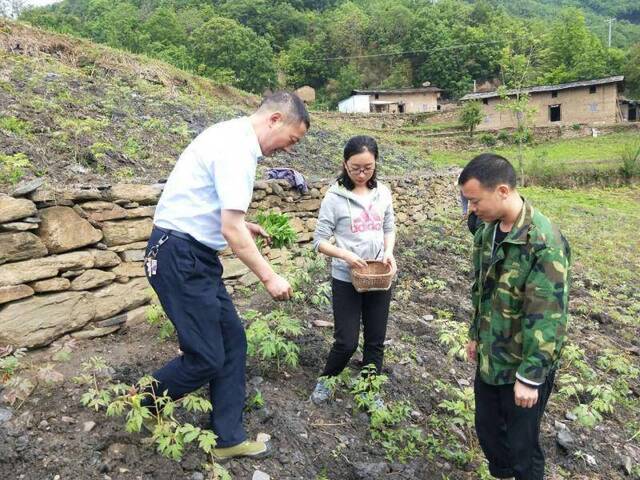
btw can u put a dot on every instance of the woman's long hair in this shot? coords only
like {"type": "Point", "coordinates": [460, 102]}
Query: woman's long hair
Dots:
{"type": "Point", "coordinates": [355, 145]}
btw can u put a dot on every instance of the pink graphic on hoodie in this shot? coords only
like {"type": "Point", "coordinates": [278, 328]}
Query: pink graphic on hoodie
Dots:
{"type": "Point", "coordinates": [368, 220]}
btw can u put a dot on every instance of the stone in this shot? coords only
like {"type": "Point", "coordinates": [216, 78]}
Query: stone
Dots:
{"type": "Point", "coordinates": [401, 217]}
{"type": "Point", "coordinates": [109, 301]}
{"type": "Point", "coordinates": [104, 258]}
{"type": "Point", "coordinates": [260, 475]}
{"type": "Point", "coordinates": [62, 229]}
{"type": "Point", "coordinates": [5, 415]}
{"type": "Point", "coordinates": [25, 272]}
{"type": "Point", "coordinates": [370, 471]}
{"type": "Point", "coordinates": [39, 320]}
{"type": "Point", "coordinates": [233, 268]}
{"type": "Point", "coordinates": [249, 279]}
{"type": "Point", "coordinates": [310, 205]}
{"type": "Point", "coordinates": [128, 246]}
{"type": "Point", "coordinates": [56, 284]}
{"type": "Point", "coordinates": [18, 227]}
{"type": "Point", "coordinates": [260, 185]}
{"type": "Point", "coordinates": [297, 224]}
{"type": "Point", "coordinates": [26, 187]}
{"type": "Point", "coordinates": [15, 292]}
{"type": "Point", "coordinates": [311, 224]}
{"type": "Point", "coordinates": [20, 246]}
{"type": "Point", "coordinates": [565, 439]}
{"type": "Point", "coordinates": [129, 269]}
{"type": "Point", "coordinates": [98, 205]}
{"type": "Point", "coordinates": [92, 278]}
{"type": "Point", "coordinates": [139, 212]}
{"type": "Point", "coordinates": [626, 460]}
{"type": "Point", "coordinates": [258, 195]}
{"type": "Point", "coordinates": [277, 189]}
{"type": "Point", "coordinates": [73, 273]}
{"type": "Point", "coordinates": [45, 267]}
{"type": "Point", "coordinates": [111, 322]}
{"type": "Point", "coordinates": [94, 332]}
{"type": "Point", "coordinates": [132, 255]}
{"type": "Point", "coordinates": [15, 208]}
{"type": "Point", "coordinates": [80, 194]}
{"type": "Point", "coordinates": [88, 426]}
{"type": "Point", "coordinates": [115, 213]}
{"type": "Point", "coordinates": [136, 316]}
{"type": "Point", "coordinates": [126, 231]}
{"type": "Point", "coordinates": [263, 437]}
{"type": "Point", "coordinates": [66, 419]}
{"type": "Point", "coordinates": [143, 194]}
{"type": "Point", "coordinates": [322, 323]}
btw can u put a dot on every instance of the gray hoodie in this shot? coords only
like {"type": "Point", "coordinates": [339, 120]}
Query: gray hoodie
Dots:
{"type": "Point", "coordinates": [358, 224]}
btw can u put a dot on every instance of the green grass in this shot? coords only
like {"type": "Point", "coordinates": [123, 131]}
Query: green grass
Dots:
{"type": "Point", "coordinates": [601, 226]}
{"type": "Point", "coordinates": [601, 153]}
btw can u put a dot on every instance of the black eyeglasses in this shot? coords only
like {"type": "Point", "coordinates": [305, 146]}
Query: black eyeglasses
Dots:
{"type": "Point", "coordinates": [358, 170]}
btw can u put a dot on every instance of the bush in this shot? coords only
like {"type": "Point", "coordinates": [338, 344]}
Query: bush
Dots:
{"type": "Point", "coordinates": [504, 136]}
{"type": "Point", "coordinates": [630, 163]}
{"type": "Point", "coordinates": [488, 139]}
{"type": "Point", "coordinates": [576, 126]}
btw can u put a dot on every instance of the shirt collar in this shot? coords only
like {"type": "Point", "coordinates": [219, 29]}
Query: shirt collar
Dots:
{"type": "Point", "coordinates": [254, 144]}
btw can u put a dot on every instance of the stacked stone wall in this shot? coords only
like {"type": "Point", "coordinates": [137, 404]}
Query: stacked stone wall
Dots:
{"type": "Point", "coordinates": [71, 259]}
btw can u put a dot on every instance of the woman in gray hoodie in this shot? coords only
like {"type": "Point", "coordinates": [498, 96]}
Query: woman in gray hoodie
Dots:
{"type": "Point", "coordinates": [358, 212]}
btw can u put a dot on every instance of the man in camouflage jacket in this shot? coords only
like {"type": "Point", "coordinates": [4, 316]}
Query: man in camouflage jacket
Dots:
{"type": "Point", "coordinates": [520, 299]}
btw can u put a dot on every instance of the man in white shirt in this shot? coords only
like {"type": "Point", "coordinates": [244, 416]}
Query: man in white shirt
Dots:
{"type": "Point", "coordinates": [201, 211]}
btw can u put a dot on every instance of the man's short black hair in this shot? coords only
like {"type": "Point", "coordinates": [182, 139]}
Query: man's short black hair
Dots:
{"type": "Point", "coordinates": [291, 105]}
{"type": "Point", "coordinates": [490, 170]}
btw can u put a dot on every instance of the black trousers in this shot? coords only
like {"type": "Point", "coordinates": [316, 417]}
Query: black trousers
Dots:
{"type": "Point", "coordinates": [508, 434]}
{"type": "Point", "coordinates": [211, 336]}
{"type": "Point", "coordinates": [349, 307]}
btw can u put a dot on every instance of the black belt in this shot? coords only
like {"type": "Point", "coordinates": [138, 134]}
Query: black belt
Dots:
{"type": "Point", "coordinates": [185, 236]}
{"type": "Point", "coordinates": [176, 233]}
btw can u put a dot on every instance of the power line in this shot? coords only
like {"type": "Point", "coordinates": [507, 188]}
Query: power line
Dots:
{"type": "Point", "coordinates": [373, 55]}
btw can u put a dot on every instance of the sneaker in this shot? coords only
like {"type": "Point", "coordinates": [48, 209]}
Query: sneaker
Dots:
{"type": "Point", "coordinates": [321, 393]}
{"type": "Point", "coordinates": [244, 449]}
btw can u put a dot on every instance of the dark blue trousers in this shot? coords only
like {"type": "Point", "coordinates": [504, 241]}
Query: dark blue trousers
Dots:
{"type": "Point", "coordinates": [188, 282]}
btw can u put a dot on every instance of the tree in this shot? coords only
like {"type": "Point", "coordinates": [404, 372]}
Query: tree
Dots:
{"type": "Point", "coordinates": [517, 74]}
{"type": "Point", "coordinates": [572, 52]}
{"type": "Point", "coordinates": [222, 43]}
{"type": "Point", "coordinates": [632, 72]}
{"type": "Point", "coordinates": [471, 116]}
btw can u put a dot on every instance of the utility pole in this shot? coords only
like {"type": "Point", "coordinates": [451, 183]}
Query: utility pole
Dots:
{"type": "Point", "coordinates": [610, 21]}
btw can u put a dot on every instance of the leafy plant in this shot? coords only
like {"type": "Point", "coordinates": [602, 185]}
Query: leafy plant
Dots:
{"type": "Point", "coordinates": [267, 337]}
{"type": "Point", "coordinates": [10, 364]}
{"type": "Point", "coordinates": [12, 167]}
{"type": "Point", "coordinates": [255, 402]}
{"type": "Point", "coordinates": [169, 435]}
{"type": "Point", "coordinates": [488, 139]}
{"type": "Point", "coordinates": [156, 316]}
{"type": "Point", "coordinates": [14, 125]}
{"type": "Point", "coordinates": [278, 227]}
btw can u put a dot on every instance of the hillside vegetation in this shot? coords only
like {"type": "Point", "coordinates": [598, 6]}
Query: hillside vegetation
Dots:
{"type": "Point", "coordinates": [72, 111]}
{"type": "Point", "coordinates": [339, 45]}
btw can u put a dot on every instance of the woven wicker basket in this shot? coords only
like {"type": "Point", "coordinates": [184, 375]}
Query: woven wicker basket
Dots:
{"type": "Point", "coordinates": [376, 276]}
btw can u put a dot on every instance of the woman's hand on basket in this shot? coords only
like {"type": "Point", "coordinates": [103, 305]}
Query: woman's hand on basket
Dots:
{"type": "Point", "coordinates": [389, 259]}
{"type": "Point", "coordinates": [353, 260]}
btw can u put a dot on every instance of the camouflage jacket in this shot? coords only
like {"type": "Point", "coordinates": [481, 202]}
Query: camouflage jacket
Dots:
{"type": "Point", "coordinates": [520, 295]}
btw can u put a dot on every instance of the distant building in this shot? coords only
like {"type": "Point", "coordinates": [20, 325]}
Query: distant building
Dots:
{"type": "Point", "coordinates": [593, 102]}
{"type": "Point", "coordinates": [306, 93]}
{"type": "Point", "coordinates": [397, 100]}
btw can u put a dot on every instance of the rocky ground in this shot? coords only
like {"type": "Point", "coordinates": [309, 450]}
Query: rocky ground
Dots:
{"type": "Point", "coordinates": [48, 434]}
